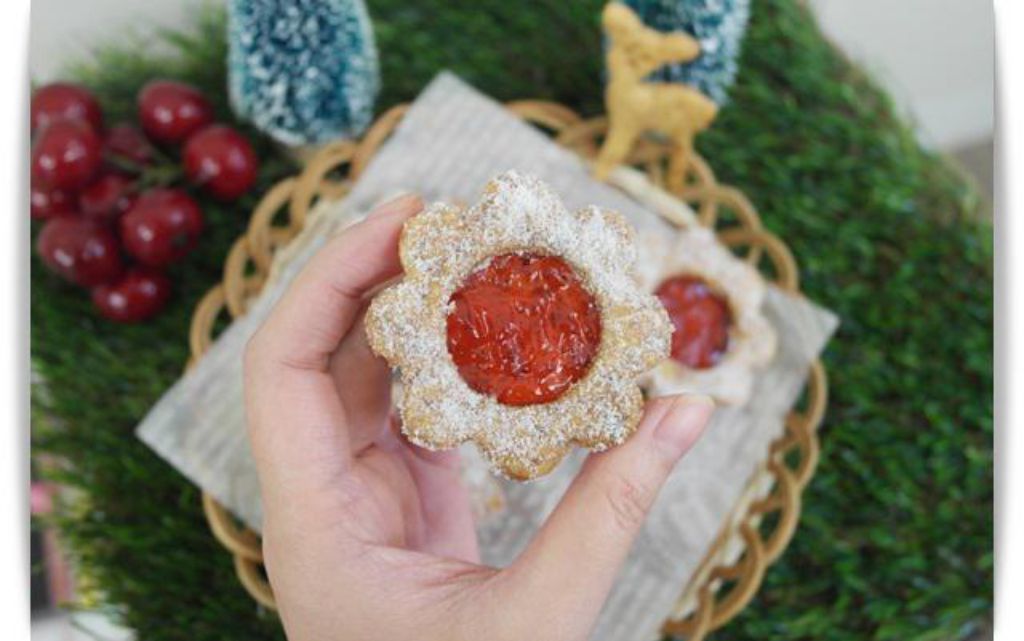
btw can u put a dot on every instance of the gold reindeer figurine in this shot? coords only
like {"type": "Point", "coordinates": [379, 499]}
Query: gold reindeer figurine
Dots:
{"type": "Point", "coordinates": [634, 105]}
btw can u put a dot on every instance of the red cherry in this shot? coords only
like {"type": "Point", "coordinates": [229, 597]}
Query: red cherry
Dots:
{"type": "Point", "coordinates": [523, 329]}
{"type": "Point", "coordinates": [221, 160]}
{"type": "Point", "coordinates": [65, 101]}
{"type": "Point", "coordinates": [108, 197]}
{"type": "Point", "coordinates": [170, 111]}
{"type": "Point", "coordinates": [701, 319]}
{"type": "Point", "coordinates": [47, 203]}
{"type": "Point", "coordinates": [66, 155]}
{"type": "Point", "coordinates": [80, 250]}
{"type": "Point", "coordinates": [139, 294]}
{"type": "Point", "coordinates": [126, 143]}
{"type": "Point", "coordinates": [161, 227]}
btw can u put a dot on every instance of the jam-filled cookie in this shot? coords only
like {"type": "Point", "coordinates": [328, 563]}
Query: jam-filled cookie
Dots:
{"type": "Point", "coordinates": [519, 326]}
{"type": "Point", "coordinates": [720, 335]}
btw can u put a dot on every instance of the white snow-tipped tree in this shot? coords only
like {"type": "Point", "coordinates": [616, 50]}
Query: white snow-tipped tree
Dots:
{"type": "Point", "coordinates": [303, 71]}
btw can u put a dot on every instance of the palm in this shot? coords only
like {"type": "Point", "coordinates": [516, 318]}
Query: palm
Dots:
{"type": "Point", "coordinates": [366, 494]}
{"type": "Point", "coordinates": [412, 499]}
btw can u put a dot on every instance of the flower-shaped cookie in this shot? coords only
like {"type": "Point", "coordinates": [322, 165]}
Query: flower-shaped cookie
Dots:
{"type": "Point", "coordinates": [519, 326]}
{"type": "Point", "coordinates": [715, 301]}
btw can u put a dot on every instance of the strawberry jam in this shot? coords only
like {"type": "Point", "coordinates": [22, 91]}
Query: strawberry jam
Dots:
{"type": "Point", "coordinates": [523, 329]}
{"type": "Point", "coordinates": [701, 319]}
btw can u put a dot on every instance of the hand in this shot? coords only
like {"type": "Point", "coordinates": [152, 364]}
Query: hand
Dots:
{"type": "Point", "coordinates": [366, 536]}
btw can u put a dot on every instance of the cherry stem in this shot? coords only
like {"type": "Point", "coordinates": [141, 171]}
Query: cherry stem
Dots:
{"type": "Point", "coordinates": [124, 164]}
{"type": "Point", "coordinates": [160, 156]}
{"type": "Point", "coordinates": [161, 175]}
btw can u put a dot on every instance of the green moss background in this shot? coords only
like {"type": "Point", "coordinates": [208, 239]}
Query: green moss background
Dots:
{"type": "Point", "coordinates": [896, 536]}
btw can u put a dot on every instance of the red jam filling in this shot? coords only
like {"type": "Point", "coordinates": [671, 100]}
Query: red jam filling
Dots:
{"type": "Point", "coordinates": [701, 319]}
{"type": "Point", "coordinates": [523, 329]}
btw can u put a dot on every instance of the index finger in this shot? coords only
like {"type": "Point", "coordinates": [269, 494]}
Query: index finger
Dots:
{"type": "Point", "coordinates": [296, 421]}
{"type": "Point", "coordinates": [308, 323]}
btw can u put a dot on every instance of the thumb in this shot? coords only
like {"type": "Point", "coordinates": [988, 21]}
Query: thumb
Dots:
{"type": "Point", "coordinates": [587, 537]}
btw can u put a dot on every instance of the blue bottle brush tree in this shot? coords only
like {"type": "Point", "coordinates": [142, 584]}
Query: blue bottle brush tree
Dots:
{"type": "Point", "coordinates": [302, 71]}
{"type": "Point", "coordinates": [719, 25]}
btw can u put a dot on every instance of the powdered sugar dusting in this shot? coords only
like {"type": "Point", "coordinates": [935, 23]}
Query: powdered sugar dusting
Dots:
{"type": "Point", "coordinates": [439, 248]}
{"type": "Point", "coordinates": [752, 339]}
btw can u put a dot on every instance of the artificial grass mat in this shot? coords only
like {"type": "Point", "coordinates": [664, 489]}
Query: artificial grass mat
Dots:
{"type": "Point", "coordinates": [895, 541]}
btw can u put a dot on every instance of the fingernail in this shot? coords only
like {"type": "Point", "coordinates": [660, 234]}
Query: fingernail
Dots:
{"type": "Point", "coordinates": [402, 203]}
{"type": "Point", "coordinates": [683, 423]}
